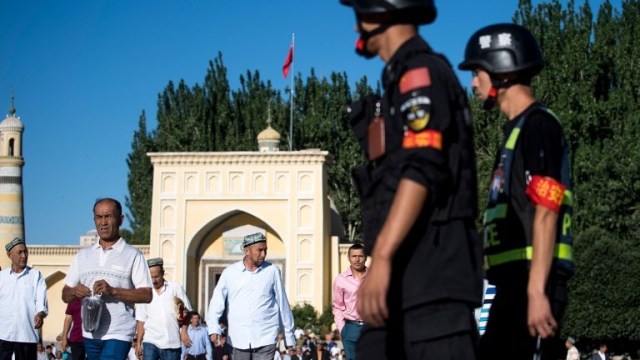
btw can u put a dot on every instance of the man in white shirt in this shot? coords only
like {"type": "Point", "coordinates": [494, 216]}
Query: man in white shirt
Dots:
{"type": "Point", "coordinates": [23, 301]}
{"type": "Point", "coordinates": [118, 273]}
{"type": "Point", "coordinates": [257, 304]}
{"type": "Point", "coordinates": [572, 351]}
{"type": "Point", "coordinates": [160, 326]}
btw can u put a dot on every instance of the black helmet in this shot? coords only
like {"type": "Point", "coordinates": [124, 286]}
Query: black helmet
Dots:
{"type": "Point", "coordinates": [502, 49]}
{"type": "Point", "coordinates": [409, 11]}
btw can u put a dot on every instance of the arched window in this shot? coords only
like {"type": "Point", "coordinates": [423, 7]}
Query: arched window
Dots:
{"type": "Point", "coordinates": [11, 144]}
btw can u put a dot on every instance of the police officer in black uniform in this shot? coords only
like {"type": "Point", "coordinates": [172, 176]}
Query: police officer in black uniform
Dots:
{"type": "Point", "coordinates": [527, 237]}
{"type": "Point", "coordinates": [418, 193]}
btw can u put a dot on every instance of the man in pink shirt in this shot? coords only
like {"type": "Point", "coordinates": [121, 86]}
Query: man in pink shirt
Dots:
{"type": "Point", "coordinates": [345, 289]}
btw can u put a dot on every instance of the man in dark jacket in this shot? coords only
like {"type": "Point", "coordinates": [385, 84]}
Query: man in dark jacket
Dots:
{"type": "Point", "coordinates": [418, 194]}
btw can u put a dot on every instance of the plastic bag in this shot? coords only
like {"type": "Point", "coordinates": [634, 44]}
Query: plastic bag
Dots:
{"type": "Point", "coordinates": [91, 312]}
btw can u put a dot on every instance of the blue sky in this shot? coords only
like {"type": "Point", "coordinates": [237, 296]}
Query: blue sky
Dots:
{"type": "Point", "coordinates": [82, 72]}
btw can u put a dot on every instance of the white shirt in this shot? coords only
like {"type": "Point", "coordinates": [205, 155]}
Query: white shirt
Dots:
{"type": "Point", "coordinates": [121, 266]}
{"type": "Point", "coordinates": [257, 305]}
{"type": "Point", "coordinates": [159, 316]}
{"type": "Point", "coordinates": [335, 352]}
{"type": "Point", "coordinates": [22, 296]}
{"type": "Point", "coordinates": [573, 354]}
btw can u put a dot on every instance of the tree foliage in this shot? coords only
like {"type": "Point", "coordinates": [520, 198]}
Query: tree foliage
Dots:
{"type": "Point", "coordinates": [306, 317]}
{"type": "Point", "coordinates": [139, 182]}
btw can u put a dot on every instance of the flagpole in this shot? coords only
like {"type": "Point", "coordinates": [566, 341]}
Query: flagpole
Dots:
{"type": "Point", "coordinates": [293, 60]}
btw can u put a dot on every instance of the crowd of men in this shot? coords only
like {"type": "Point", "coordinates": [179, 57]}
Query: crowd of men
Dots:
{"type": "Point", "coordinates": [120, 305]}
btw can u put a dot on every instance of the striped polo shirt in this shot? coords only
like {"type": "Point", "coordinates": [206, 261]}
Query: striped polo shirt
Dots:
{"type": "Point", "coordinates": [121, 266]}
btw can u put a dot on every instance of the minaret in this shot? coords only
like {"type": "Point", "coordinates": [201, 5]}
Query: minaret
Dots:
{"type": "Point", "coordinates": [269, 139]}
{"type": "Point", "coordinates": [11, 162]}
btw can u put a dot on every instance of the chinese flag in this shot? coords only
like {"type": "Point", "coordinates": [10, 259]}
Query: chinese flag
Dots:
{"type": "Point", "coordinates": [287, 62]}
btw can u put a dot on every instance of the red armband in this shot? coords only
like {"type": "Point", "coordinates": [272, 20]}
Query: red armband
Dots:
{"type": "Point", "coordinates": [545, 191]}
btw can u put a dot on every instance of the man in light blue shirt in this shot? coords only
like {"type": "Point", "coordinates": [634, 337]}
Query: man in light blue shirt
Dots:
{"type": "Point", "coordinates": [23, 301]}
{"type": "Point", "coordinates": [257, 304]}
{"type": "Point", "coordinates": [200, 348]}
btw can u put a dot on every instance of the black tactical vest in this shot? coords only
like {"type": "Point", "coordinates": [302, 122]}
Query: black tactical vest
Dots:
{"type": "Point", "coordinates": [506, 226]}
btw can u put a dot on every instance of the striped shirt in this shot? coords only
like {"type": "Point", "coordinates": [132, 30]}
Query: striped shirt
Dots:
{"type": "Point", "coordinates": [22, 296]}
{"type": "Point", "coordinates": [121, 266]}
{"type": "Point", "coordinates": [482, 314]}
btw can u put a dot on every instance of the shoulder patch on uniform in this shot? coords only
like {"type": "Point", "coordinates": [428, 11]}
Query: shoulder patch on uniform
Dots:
{"type": "Point", "coordinates": [416, 112]}
{"type": "Point", "coordinates": [414, 79]}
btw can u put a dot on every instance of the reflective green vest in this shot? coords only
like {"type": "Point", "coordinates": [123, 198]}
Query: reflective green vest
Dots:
{"type": "Point", "coordinates": [508, 230]}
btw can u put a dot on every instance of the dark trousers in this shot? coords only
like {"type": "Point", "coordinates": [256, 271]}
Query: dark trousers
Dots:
{"type": "Point", "coordinates": [266, 352]}
{"type": "Point", "coordinates": [196, 357]}
{"type": "Point", "coordinates": [507, 334]}
{"type": "Point", "coordinates": [77, 350]}
{"type": "Point", "coordinates": [152, 352]}
{"type": "Point", "coordinates": [430, 331]}
{"type": "Point", "coordinates": [22, 351]}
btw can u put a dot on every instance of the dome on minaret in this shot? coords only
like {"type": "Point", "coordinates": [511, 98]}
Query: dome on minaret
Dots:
{"type": "Point", "coordinates": [269, 138]}
{"type": "Point", "coordinates": [11, 122]}
{"type": "Point", "coordinates": [269, 134]}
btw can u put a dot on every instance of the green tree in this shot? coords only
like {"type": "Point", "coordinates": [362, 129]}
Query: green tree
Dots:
{"type": "Point", "coordinates": [305, 317]}
{"type": "Point", "coordinates": [127, 235]}
{"type": "Point", "coordinates": [181, 119]}
{"type": "Point", "coordinates": [140, 184]}
{"type": "Point", "coordinates": [251, 103]}
{"type": "Point", "coordinates": [325, 320]}
{"type": "Point", "coordinates": [487, 129]}
{"type": "Point", "coordinates": [218, 95]}
{"type": "Point", "coordinates": [322, 106]}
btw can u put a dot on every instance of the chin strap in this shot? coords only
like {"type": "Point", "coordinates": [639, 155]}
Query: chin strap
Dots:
{"type": "Point", "coordinates": [361, 43]}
